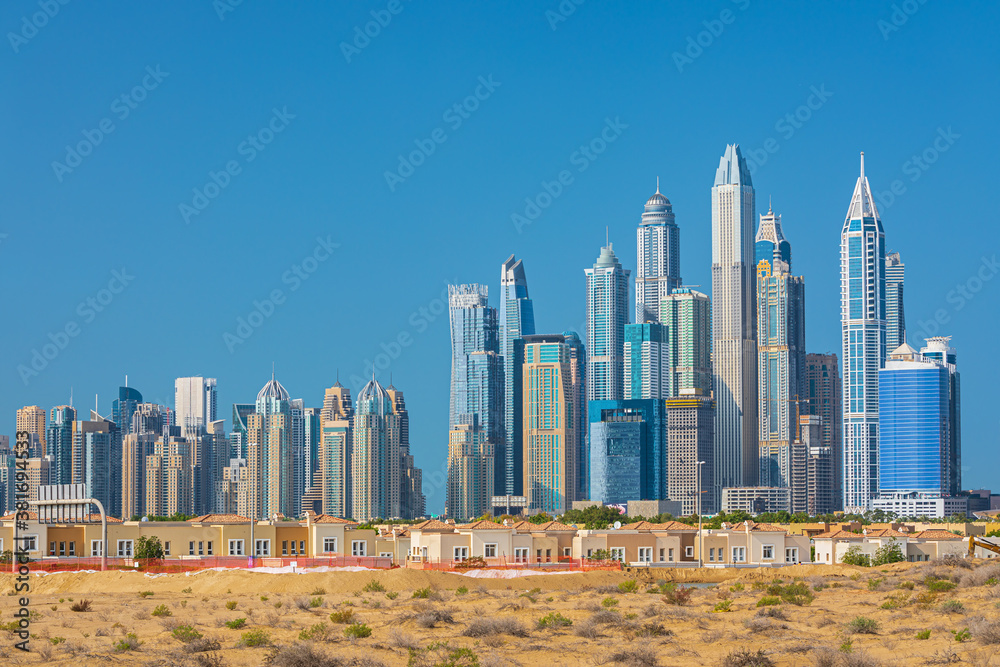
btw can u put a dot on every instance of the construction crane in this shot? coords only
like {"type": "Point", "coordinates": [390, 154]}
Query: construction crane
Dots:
{"type": "Point", "coordinates": [980, 542]}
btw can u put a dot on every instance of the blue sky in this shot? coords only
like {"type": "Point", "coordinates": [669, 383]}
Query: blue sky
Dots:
{"type": "Point", "coordinates": [300, 130]}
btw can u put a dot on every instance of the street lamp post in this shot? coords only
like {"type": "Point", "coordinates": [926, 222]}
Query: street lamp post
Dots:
{"type": "Point", "coordinates": [697, 483]}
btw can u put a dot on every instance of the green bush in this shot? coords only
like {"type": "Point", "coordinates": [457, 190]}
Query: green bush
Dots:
{"type": "Point", "coordinates": [317, 632]}
{"type": "Point", "coordinates": [736, 588]}
{"type": "Point", "coordinates": [768, 600]}
{"type": "Point", "coordinates": [888, 553]}
{"type": "Point", "coordinates": [924, 634]}
{"type": "Point", "coordinates": [940, 585]}
{"type": "Point", "coordinates": [854, 556]}
{"type": "Point", "coordinates": [186, 633]}
{"type": "Point", "coordinates": [236, 623]}
{"type": "Point", "coordinates": [961, 635]}
{"type": "Point", "coordinates": [896, 600]}
{"type": "Point", "coordinates": [256, 637]}
{"type": "Point", "coordinates": [723, 606]}
{"type": "Point", "coordinates": [422, 593]}
{"type": "Point", "coordinates": [630, 586]}
{"type": "Point", "coordinates": [357, 631]}
{"type": "Point", "coordinates": [392, 595]}
{"type": "Point", "coordinates": [373, 586]}
{"type": "Point", "coordinates": [952, 607]}
{"type": "Point", "coordinates": [797, 593]}
{"type": "Point", "coordinates": [343, 616]}
{"type": "Point", "coordinates": [860, 625]}
{"type": "Point", "coordinates": [161, 610]}
{"type": "Point", "coordinates": [908, 585]}
{"type": "Point", "coordinates": [231, 605]}
{"type": "Point", "coordinates": [145, 594]}
{"type": "Point", "coordinates": [554, 620]}
{"type": "Point", "coordinates": [873, 584]}
{"type": "Point", "coordinates": [609, 602]}
{"type": "Point", "coordinates": [315, 602]}
{"type": "Point", "coordinates": [128, 643]}
{"type": "Point", "coordinates": [461, 590]}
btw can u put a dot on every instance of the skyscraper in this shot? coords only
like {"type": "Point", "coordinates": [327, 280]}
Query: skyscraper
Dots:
{"type": "Point", "coordinates": [647, 370]}
{"type": "Point", "coordinates": [411, 494]}
{"type": "Point", "coordinates": [824, 400]}
{"type": "Point", "coordinates": [658, 261]}
{"type": "Point", "coordinates": [60, 442]}
{"type": "Point", "coordinates": [553, 420]}
{"type": "Point", "coordinates": [895, 316]}
{"type": "Point", "coordinates": [477, 369]}
{"type": "Point", "coordinates": [690, 427]}
{"type": "Point", "coordinates": [194, 403]}
{"type": "Point", "coordinates": [97, 461]}
{"type": "Point", "coordinates": [862, 296]}
{"type": "Point", "coordinates": [122, 407]}
{"type": "Point", "coordinates": [781, 340]}
{"type": "Point", "coordinates": [470, 472]}
{"type": "Point", "coordinates": [687, 316]}
{"type": "Point", "coordinates": [734, 331]}
{"type": "Point", "coordinates": [627, 450]}
{"type": "Point", "coordinates": [375, 455]}
{"type": "Point", "coordinates": [607, 315]}
{"type": "Point", "coordinates": [335, 451]}
{"type": "Point", "coordinates": [517, 318]}
{"type": "Point", "coordinates": [31, 418]}
{"type": "Point", "coordinates": [939, 349]}
{"type": "Point", "coordinates": [270, 469]}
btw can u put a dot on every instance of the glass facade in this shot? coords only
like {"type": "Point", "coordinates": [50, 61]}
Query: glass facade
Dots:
{"type": "Point", "coordinates": [123, 407]}
{"type": "Point", "coordinates": [627, 450]}
{"type": "Point", "coordinates": [646, 361]}
{"type": "Point", "coordinates": [658, 261]}
{"type": "Point", "coordinates": [607, 315]}
{"type": "Point", "coordinates": [517, 318]}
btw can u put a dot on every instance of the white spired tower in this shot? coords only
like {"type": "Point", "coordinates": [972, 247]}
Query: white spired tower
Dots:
{"type": "Point", "coordinates": [862, 317]}
{"type": "Point", "coordinates": [734, 326]}
{"type": "Point", "coordinates": [658, 260]}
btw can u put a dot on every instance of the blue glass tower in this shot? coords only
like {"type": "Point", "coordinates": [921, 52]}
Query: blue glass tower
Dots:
{"type": "Point", "coordinates": [627, 450]}
{"type": "Point", "coordinates": [517, 318]}
{"type": "Point", "coordinates": [862, 290]}
{"type": "Point", "coordinates": [607, 315]}
{"type": "Point", "coordinates": [658, 259]}
{"type": "Point", "coordinates": [647, 361]}
{"type": "Point", "coordinates": [60, 442]}
{"type": "Point", "coordinates": [124, 406]}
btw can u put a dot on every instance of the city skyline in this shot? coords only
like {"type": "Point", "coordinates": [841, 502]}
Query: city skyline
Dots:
{"type": "Point", "coordinates": [313, 211]}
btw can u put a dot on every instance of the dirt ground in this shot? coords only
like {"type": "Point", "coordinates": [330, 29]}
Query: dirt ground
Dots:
{"type": "Point", "coordinates": [592, 619]}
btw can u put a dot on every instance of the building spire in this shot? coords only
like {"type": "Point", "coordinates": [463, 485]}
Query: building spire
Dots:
{"type": "Point", "coordinates": [862, 165]}
{"type": "Point", "coordinates": [657, 185]}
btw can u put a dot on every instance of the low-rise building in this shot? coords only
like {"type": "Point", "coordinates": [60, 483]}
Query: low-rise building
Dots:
{"type": "Point", "coordinates": [915, 546]}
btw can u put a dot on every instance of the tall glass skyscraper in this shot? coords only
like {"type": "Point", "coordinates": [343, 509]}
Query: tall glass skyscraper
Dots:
{"type": "Point", "coordinates": [646, 361]}
{"type": "Point", "coordinates": [194, 404]}
{"type": "Point", "coordinates": [895, 316]}
{"type": "Point", "coordinates": [781, 342]}
{"type": "Point", "coordinates": [375, 455]}
{"type": "Point", "coordinates": [915, 424]}
{"type": "Point", "coordinates": [824, 400]}
{"type": "Point", "coordinates": [687, 316]}
{"type": "Point", "coordinates": [734, 331]}
{"type": "Point", "coordinates": [658, 261]}
{"type": "Point", "coordinates": [271, 485]}
{"type": "Point", "coordinates": [124, 406]}
{"type": "Point", "coordinates": [517, 318]}
{"type": "Point", "coordinates": [60, 442]}
{"type": "Point", "coordinates": [862, 295]}
{"type": "Point", "coordinates": [627, 450]}
{"type": "Point", "coordinates": [477, 369]}
{"type": "Point", "coordinates": [607, 315]}
{"type": "Point", "coordinates": [940, 350]}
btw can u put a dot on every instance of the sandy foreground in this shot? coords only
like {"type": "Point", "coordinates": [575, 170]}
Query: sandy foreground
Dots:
{"type": "Point", "coordinates": [609, 626]}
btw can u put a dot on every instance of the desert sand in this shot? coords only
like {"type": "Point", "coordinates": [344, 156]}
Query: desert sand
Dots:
{"type": "Point", "coordinates": [497, 620]}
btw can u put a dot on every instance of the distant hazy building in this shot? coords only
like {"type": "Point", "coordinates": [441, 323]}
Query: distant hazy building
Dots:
{"type": "Point", "coordinates": [687, 316]}
{"type": "Point", "coordinates": [756, 499]}
{"type": "Point", "coordinates": [169, 484]}
{"type": "Point", "coordinates": [553, 414]}
{"type": "Point", "coordinates": [627, 450]}
{"type": "Point", "coordinates": [821, 495]}
{"type": "Point", "coordinates": [823, 394]}
{"type": "Point", "coordinates": [335, 451]}
{"type": "Point", "coordinates": [517, 318]}
{"type": "Point", "coordinates": [607, 315]}
{"type": "Point", "coordinates": [862, 289]}
{"type": "Point", "coordinates": [375, 455]}
{"type": "Point", "coordinates": [647, 370]}
{"type": "Point", "coordinates": [270, 469]}
{"type": "Point", "coordinates": [136, 447]}
{"type": "Point", "coordinates": [734, 336]}
{"type": "Point", "coordinates": [470, 472]}
{"type": "Point", "coordinates": [60, 442]}
{"type": "Point", "coordinates": [97, 461]}
{"type": "Point", "coordinates": [690, 439]}
{"type": "Point", "coordinates": [122, 407]}
{"type": "Point", "coordinates": [658, 259]}
{"type": "Point", "coordinates": [194, 403]}
{"type": "Point", "coordinates": [895, 316]}
{"type": "Point", "coordinates": [31, 418]}
{"type": "Point", "coordinates": [411, 494]}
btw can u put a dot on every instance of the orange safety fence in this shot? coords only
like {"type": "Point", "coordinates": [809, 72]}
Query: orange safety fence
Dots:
{"type": "Point", "coordinates": [508, 563]}
{"type": "Point", "coordinates": [167, 565]}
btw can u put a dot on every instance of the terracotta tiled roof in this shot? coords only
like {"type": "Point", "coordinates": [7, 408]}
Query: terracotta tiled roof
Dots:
{"type": "Point", "coordinates": [528, 527]}
{"type": "Point", "coordinates": [838, 535]}
{"type": "Point", "coordinates": [96, 518]}
{"type": "Point", "coordinates": [432, 524]}
{"type": "Point", "coordinates": [638, 525]}
{"type": "Point", "coordinates": [936, 534]}
{"type": "Point", "coordinates": [328, 518]}
{"type": "Point", "coordinates": [10, 516]}
{"type": "Point", "coordinates": [394, 531]}
{"type": "Point", "coordinates": [885, 532]}
{"type": "Point", "coordinates": [219, 518]}
{"type": "Point", "coordinates": [484, 524]}
{"type": "Point", "coordinates": [675, 525]}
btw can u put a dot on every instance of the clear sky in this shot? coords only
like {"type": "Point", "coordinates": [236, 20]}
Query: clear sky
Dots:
{"type": "Point", "coordinates": [292, 121]}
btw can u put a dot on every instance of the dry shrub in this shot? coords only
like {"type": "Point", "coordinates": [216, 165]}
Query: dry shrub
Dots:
{"type": "Point", "coordinates": [953, 560]}
{"type": "Point", "coordinates": [944, 656]}
{"type": "Point", "coordinates": [605, 617]}
{"type": "Point", "coordinates": [202, 645]}
{"type": "Point", "coordinates": [170, 623]}
{"type": "Point", "coordinates": [980, 575]}
{"type": "Point", "coordinates": [764, 625]}
{"type": "Point", "coordinates": [501, 625]}
{"type": "Point", "coordinates": [102, 632]}
{"type": "Point", "coordinates": [860, 659]}
{"type": "Point", "coordinates": [588, 630]}
{"type": "Point", "coordinates": [986, 632]}
{"type": "Point", "coordinates": [401, 640]}
{"type": "Point", "coordinates": [634, 656]}
{"type": "Point", "coordinates": [825, 657]}
{"type": "Point", "coordinates": [430, 617]}
{"type": "Point", "coordinates": [44, 651]}
{"type": "Point", "coordinates": [301, 654]}
{"type": "Point", "coordinates": [746, 658]}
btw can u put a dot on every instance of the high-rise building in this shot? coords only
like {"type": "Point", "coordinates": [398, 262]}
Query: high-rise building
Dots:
{"type": "Point", "coordinates": [824, 396]}
{"type": "Point", "coordinates": [895, 316]}
{"type": "Point", "coordinates": [627, 450]}
{"type": "Point", "coordinates": [335, 451]}
{"type": "Point", "coordinates": [553, 418]}
{"type": "Point", "coordinates": [862, 307]}
{"type": "Point", "coordinates": [687, 316]}
{"type": "Point", "coordinates": [238, 437]}
{"type": "Point", "coordinates": [96, 461]}
{"type": "Point", "coordinates": [122, 407]}
{"type": "Point", "coordinates": [734, 331]}
{"type": "Point", "coordinates": [169, 483]}
{"type": "Point", "coordinates": [647, 355]}
{"type": "Point", "coordinates": [194, 403]}
{"type": "Point", "coordinates": [60, 442]}
{"type": "Point", "coordinates": [270, 468]}
{"type": "Point", "coordinates": [820, 487]}
{"type": "Point", "coordinates": [411, 494]}
{"type": "Point", "coordinates": [312, 430]}
{"type": "Point", "coordinates": [939, 349]}
{"type": "Point", "coordinates": [375, 455]}
{"type": "Point", "coordinates": [517, 318]}
{"type": "Point", "coordinates": [31, 418]}
{"type": "Point", "coordinates": [915, 413]}
{"type": "Point", "coordinates": [297, 409]}
{"type": "Point", "coordinates": [607, 315]}
{"type": "Point", "coordinates": [690, 439]}
{"type": "Point", "coordinates": [136, 448]}
{"type": "Point", "coordinates": [781, 341]}
{"type": "Point", "coordinates": [477, 369]}
{"type": "Point", "coordinates": [470, 472]}
{"type": "Point", "coordinates": [658, 261]}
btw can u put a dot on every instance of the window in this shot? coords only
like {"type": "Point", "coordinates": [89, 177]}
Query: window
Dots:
{"type": "Point", "coordinates": [489, 551]}
{"type": "Point", "coordinates": [520, 554]}
{"type": "Point", "coordinates": [124, 548]}
{"type": "Point", "coordinates": [96, 548]}
{"type": "Point", "coordinates": [689, 552]}
{"type": "Point", "coordinates": [294, 552]}
{"type": "Point", "coordinates": [236, 547]}
{"type": "Point", "coordinates": [262, 547]}
{"type": "Point", "coordinates": [567, 552]}
{"type": "Point", "coordinates": [166, 548]}
{"type": "Point", "coordinates": [461, 553]}
{"type": "Point", "coordinates": [284, 547]}
{"type": "Point", "coordinates": [201, 548]}
{"type": "Point", "coordinates": [359, 548]}
{"type": "Point", "coordinates": [330, 545]}
{"type": "Point", "coordinates": [72, 547]}
{"type": "Point", "coordinates": [62, 548]}
{"type": "Point", "coordinates": [768, 552]}
{"type": "Point", "coordinates": [385, 554]}
{"type": "Point", "coordinates": [661, 555]}
{"type": "Point", "coordinates": [645, 554]}
{"type": "Point", "coordinates": [548, 555]}
{"type": "Point", "coordinates": [739, 554]}
{"type": "Point", "coordinates": [191, 549]}
{"type": "Point", "coordinates": [208, 548]}
{"type": "Point", "coordinates": [590, 553]}
{"type": "Point", "coordinates": [711, 554]}
{"type": "Point", "coordinates": [538, 555]}
{"type": "Point", "coordinates": [618, 553]}
{"type": "Point", "coordinates": [52, 548]}
{"type": "Point", "coordinates": [670, 555]}
{"type": "Point", "coordinates": [792, 555]}
{"type": "Point", "coordinates": [302, 547]}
